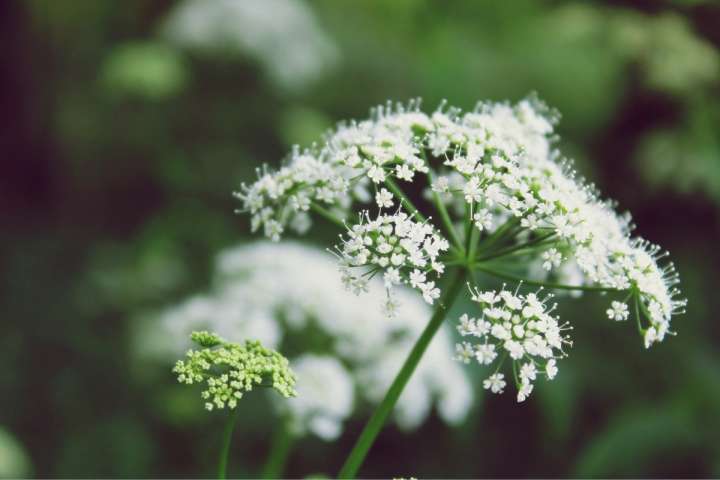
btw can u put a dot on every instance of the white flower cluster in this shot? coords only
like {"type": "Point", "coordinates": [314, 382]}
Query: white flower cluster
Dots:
{"type": "Point", "coordinates": [284, 197]}
{"type": "Point", "coordinates": [505, 157]}
{"type": "Point", "coordinates": [356, 156]}
{"type": "Point", "coordinates": [280, 294]}
{"type": "Point", "coordinates": [517, 326]}
{"type": "Point", "coordinates": [406, 251]}
{"type": "Point", "coordinates": [499, 164]}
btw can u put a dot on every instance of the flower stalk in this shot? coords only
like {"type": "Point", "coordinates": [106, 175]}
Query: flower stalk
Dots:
{"type": "Point", "coordinates": [550, 285]}
{"type": "Point", "coordinates": [376, 422]}
{"type": "Point", "coordinates": [279, 452]}
{"type": "Point", "coordinates": [227, 440]}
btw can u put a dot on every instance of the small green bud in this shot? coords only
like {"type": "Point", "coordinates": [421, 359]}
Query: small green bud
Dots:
{"type": "Point", "coordinates": [206, 339]}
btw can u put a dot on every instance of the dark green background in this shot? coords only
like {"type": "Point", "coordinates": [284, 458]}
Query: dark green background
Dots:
{"type": "Point", "coordinates": [115, 197]}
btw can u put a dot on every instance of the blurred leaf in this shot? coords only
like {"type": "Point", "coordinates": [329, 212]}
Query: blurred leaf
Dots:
{"type": "Point", "coordinates": [558, 401]}
{"type": "Point", "coordinates": [633, 440]}
{"type": "Point", "coordinates": [145, 69]}
{"type": "Point", "coordinates": [685, 158]}
{"type": "Point", "coordinates": [303, 126]}
{"type": "Point", "coordinates": [119, 446]}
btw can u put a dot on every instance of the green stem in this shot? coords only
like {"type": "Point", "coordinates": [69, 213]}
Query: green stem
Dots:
{"type": "Point", "coordinates": [473, 242]}
{"type": "Point", "coordinates": [514, 248]}
{"type": "Point", "coordinates": [556, 286]}
{"type": "Point", "coordinates": [497, 234]}
{"type": "Point", "coordinates": [394, 188]}
{"type": "Point", "coordinates": [376, 422]}
{"type": "Point", "coordinates": [445, 217]}
{"type": "Point", "coordinates": [468, 226]}
{"type": "Point", "coordinates": [227, 438]}
{"type": "Point", "coordinates": [643, 308]}
{"type": "Point", "coordinates": [637, 314]}
{"type": "Point", "coordinates": [523, 249]}
{"type": "Point", "coordinates": [327, 214]}
{"type": "Point", "coordinates": [404, 200]}
{"type": "Point", "coordinates": [279, 452]}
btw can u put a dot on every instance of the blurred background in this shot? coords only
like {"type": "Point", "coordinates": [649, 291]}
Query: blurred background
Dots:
{"type": "Point", "coordinates": [126, 126]}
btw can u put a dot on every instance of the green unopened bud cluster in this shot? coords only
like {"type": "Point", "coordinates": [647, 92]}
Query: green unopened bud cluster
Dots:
{"type": "Point", "coordinates": [230, 369]}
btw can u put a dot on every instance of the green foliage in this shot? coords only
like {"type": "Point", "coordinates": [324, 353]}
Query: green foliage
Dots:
{"type": "Point", "coordinates": [685, 158]}
{"type": "Point", "coordinates": [149, 70]}
{"type": "Point", "coordinates": [633, 442]}
{"type": "Point", "coordinates": [126, 448]}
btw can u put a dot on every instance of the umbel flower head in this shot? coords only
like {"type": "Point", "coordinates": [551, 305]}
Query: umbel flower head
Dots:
{"type": "Point", "coordinates": [518, 327]}
{"type": "Point", "coordinates": [229, 370]}
{"type": "Point", "coordinates": [405, 251]}
{"type": "Point", "coordinates": [504, 199]}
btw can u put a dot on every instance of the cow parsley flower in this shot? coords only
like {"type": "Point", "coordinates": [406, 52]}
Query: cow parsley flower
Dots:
{"type": "Point", "coordinates": [618, 311]}
{"type": "Point", "coordinates": [551, 259]}
{"type": "Point", "coordinates": [405, 251]}
{"type": "Point", "coordinates": [384, 198]}
{"type": "Point", "coordinates": [498, 197]}
{"type": "Point", "coordinates": [483, 219]}
{"type": "Point", "coordinates": [229, 370]}
{"type": "Point", "coordinates": [525, 390]}
{"type": "Point", "coordinates": [495, 383]}
{"type": "Point", "coordinates": [496, 168]}
{"type": "Point", "coordinates": [515, 326]}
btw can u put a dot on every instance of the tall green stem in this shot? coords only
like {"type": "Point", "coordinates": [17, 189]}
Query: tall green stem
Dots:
{"type": "Point", "coordinates": [445, 217]}
{"type": "Point", "coordinates": [281, 443]}
{"type": "Point", "coordinates": [376, 422]}
{"type": "Point", "coordinates": [227, 438]}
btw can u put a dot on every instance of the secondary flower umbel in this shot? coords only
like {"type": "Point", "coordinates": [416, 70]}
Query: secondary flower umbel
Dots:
{"type": "Point", "coordinates": [406, 251]}
{"type": "Point", "coordinates": [229, 370]}
{"type": "Point", "coordinates": [517, 326]}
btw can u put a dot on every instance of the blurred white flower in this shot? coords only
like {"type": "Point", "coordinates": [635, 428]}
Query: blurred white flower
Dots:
{"type": "Point", "coordinates": [324, 399]}
{"type": "Point", "coordinates": [283, 36]}
{"type": "Point", "coordinates": [277, 292]}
